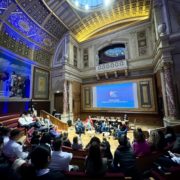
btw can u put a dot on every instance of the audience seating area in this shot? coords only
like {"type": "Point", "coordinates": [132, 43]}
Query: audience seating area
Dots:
{"type": "Point", "coordinates": [143, 163]}
{"type": "Point", "coordinates": [11, 121]}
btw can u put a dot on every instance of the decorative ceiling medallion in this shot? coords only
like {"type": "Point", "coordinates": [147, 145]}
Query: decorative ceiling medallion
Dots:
{"type": "Point", "coordinates": [47, 42]}
{"type": "Point", "coordinates": [90, 5]}
{"type": "Point", "coordinates": [24, 25]}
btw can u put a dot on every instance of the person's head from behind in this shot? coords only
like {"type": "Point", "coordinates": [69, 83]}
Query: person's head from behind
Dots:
{"type": "Point", "coordinates": [57, 144]}
{"type": "Point", "coordinates": [95, 139]}
{"type": "Point", "coordinates": [123, 141]}
{"type": "Point", "coordinates": [65, 136]}
{"type": "Point", "coordinates": [95, 154]}
{"type": "Point", "coordinates": [6, 131]}
{"type": "Point", "coordinates": [170, 130]}
{"type": "Point", "coordinates": [15, 134]}
{"type": "Point", "coordinates": [75, 140]}
{"type": "Point", "coordinates": [138, 135]}
{"type": "Point", "coordinates": [46, 138]}
{"type": "Point", "coordinates": [40, 157]}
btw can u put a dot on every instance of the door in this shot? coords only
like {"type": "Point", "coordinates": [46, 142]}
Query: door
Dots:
{"type": "Point", "coordinates": [58, 102]}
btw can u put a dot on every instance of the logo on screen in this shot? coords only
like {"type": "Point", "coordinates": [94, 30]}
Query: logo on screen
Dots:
{"type": "Point", "coordinates": [113, 94]}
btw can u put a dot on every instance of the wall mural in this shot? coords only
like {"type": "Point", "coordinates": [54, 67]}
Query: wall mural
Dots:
{"type": "Point", "coordinates": [15, 77]}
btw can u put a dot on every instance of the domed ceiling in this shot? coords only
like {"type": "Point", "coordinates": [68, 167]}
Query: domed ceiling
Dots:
{"type": "Point", "coordinates": [40, 24]}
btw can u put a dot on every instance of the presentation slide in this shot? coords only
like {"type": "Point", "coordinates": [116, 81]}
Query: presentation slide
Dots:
{"type": "Point", "coordinates": [122, 95]}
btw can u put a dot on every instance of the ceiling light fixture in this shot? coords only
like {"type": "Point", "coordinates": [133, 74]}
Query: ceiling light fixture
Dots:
{"type": "Point", "coordinates": [90, 5]}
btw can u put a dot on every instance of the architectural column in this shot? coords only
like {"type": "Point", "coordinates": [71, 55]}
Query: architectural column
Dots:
{"type": "Point", "coordinates": [70, 98]}
{"type": "Point", "coordinates": [164, 92]}
{"type": "Point", "coordinates": [65, 98]}
{"type": "Point", "coordinates": [169, 90]}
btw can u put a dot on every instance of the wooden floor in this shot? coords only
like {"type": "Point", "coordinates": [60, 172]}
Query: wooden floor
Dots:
{"type": "Point", "coordinates": [114, 143]}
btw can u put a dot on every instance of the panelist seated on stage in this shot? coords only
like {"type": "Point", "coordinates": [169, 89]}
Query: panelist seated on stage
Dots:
{"type": "Point", "coordinates": [121, 130]}
{"type": "Point", "coordinates": [89, 123]}
{"type": "Point", "coordinates": [79, 127]}
{"type": "Point", "coordinates": [26, 121]}
{"type": "Point", "coordinates": [97, 126]}
{"type": "Point", "coordinates": [105, 126]}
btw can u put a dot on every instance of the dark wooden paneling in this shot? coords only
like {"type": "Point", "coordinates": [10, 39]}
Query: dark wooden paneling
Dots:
{"type": "Point", "coordinates": [18, 107]}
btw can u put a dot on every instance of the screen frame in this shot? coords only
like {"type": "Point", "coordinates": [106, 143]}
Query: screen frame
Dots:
{"type": "Point", "coordinates": [151, 108]}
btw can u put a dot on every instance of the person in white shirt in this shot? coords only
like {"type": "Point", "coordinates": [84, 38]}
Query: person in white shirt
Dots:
{"type": "Point", "coordinates": [12, 149]}
{"type": "Point", "coordinates": [5, 135]}
{"type": "Point", "coordinates": [26, 121]}
{"type": "Point", "coordinates": [60, 160]}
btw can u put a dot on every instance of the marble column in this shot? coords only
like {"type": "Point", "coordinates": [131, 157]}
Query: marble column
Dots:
{"type": "Point", "coordinates": [65, 98]}
{"type": "Point", "coordinates": [163, 92]}
{"type": "Point", "coordinates": [169, 89]}
{"type": "Point", "coordinates": [70, 98]}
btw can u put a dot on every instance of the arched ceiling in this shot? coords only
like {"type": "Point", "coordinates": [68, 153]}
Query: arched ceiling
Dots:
{"type": "Point", "coordinates": [42, 23]}
{"type": "Point", "coordinates": [85, 24]}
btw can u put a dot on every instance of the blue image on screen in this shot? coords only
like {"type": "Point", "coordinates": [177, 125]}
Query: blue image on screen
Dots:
{"type": "Point", "coordinates": [122, 95]}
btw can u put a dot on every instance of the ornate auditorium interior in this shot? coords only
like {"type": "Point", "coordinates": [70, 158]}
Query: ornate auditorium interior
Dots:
{"type": "Point", "coordinates": [66, 55]}
{"type": "Point", "coordinates": [107, 70]}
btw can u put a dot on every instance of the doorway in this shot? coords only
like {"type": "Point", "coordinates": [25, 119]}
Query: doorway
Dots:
{"type": "Point", "coordinates": [58, 102]}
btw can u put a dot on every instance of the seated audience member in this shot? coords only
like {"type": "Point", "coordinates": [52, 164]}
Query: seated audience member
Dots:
{"type": "Point", "coordinates": [95, 165]}
{"type": "Point", "coordinates": [157, 141]}
{"type": "Point", "coordinates": [35, 140]}
{"type": "Point", "coordinates": [106, 150]}
{"type": "Point", "coordinates": [124, 158]}
{"type": "Point", "coordinates": [66, 141]}
{"type": "Point", "coordinates": [47, 121]}
{"type": "Point", "coordinates": [140, 145]}
{"type": "Point", "coordinates": [40, 159]}
{"type": "Point", "coordinates": [89, 123]}
{"type": "Point", "coordinates": [169, 160]}
{"type": "Point", "coordinates": [170, 135]}
{"type": "Point", "coordinates": [12, 149]}
{"type": "Point", "coordinates": [93, 139]}
{"type": "Point", "coordinates": [5, 135]}
{"type": "Point", "coordinates": [76, 145]}
{"type": "Point", "coordinates": [79, 127]}
{"type": "Point", "coordinates": [54, 112]}
{"type": "Point", "coordinates": [60, 160]}
{"type": "Point", "coordinates": [1, 146]}
{"type": "Point", "coordinates": [53, 132]}
{"type": "Point", "coordinates": [46, 140]}
{"type": "Point", "coordinates": [26, 121]}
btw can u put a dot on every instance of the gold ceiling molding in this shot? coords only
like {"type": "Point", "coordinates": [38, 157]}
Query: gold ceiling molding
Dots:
{"type": "Point", "coordinates": [89, 24]}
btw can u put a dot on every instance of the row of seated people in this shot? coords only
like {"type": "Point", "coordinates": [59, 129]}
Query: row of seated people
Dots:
{"type": "Point", "coordinates": [96, 163]}
{"type": "Point", "coordinates": [116, 128]}
{"type": "Point", "coordinates": [28, 120]}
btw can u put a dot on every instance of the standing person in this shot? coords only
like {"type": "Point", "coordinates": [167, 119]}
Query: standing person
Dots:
{"type": "Point", "coordinates": [95, 165]}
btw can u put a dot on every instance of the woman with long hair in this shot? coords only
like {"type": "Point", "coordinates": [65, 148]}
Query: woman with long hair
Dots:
{"type": "Point", "coordinates": [95, 165]}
